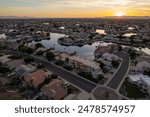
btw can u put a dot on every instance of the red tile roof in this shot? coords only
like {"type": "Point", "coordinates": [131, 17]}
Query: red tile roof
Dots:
{"type": "Point", "coordinates": [36, 78]}
{"type": "Point", "coordinates": [55, 90]}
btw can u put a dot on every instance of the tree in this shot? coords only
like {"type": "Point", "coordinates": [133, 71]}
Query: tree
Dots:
{"type": "Point", "coordinates": [54, 76]}
{"type": "Point", "coordinates": [131, 40]}
{"type": "Point", "coordinates": [115, 64]}
{"type": "Point", "coordinates": [72, 89]}
{"type": "Point", "coordinates": [56, 25]}
{"type": "Point", "coordinates": [132, 37]}
{"type": "Point", "coordinates": [29, 50]}
{"type": "Point", "coordinates": [133, 55]}
{"type": "Point", "coordinates": [47, 80]}
{"type": "Point", "coordinates": [4, 70]}
{"type": "Point", "coordinates": [88, 76]}
{"type": "Point", "coordinates": [47, 34]}
{"type": "Point", "coordinates": [100, 77]}
{"type": "Point", "coordinates": [22, 48]}
{"type": "Point", "coordinates": [28, 60]}
{"type": "Point", "coordinates": [147, 72]}
{"type": "Point", "coordinates": [93, 35]}
{"type": "Point", "coordinates": [102, 65]}
{"type": "Point", "coordinates": [59, 63]}
{"type": "Point", "coordinates": [15, 57]}
{"type": "Point", "coordinates": [39, 53]}
{"type": "Point", "coordinates": [119, 48]}
{"type": "Point", "coordinates": [26, 49]}
{"type": "Point", "coordinates": [38, 45]}
{"type": "Point", "coordinates": [67, 60]}
{"type": "Point", "coordinates": [40, 66]}
{"type": "Point", "coordinates": [50, 55]}
{"type": "Point", "coordinates": [15, 81]}
{"type": "Point", "coordinates": [31, 29]}
{"type": "Point", "coordinates": [69, 68]}
{"type": "Point", "coordinates": [1, 54]}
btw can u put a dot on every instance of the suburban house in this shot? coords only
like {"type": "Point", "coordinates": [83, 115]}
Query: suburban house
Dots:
{"type": "Point", "coordinates": [142, 66]}
{"type": "Point", "coordinates": [62, 56]}
{"type": "Point", "coordinates": [81, 64]}
{"type": "Point", "coordinates": [146, 84]}
{"type": "Point", "coordinates": [4, 59]}
{"type": "Point", "coordinates": [107, 59]}
{"type": "Point", "coordinates": [13, 45]}
{"type": "Point", "coordinates": [41, 49]}
{"type": "Point", "coordinates": [105, 49]}
{"type": "Point", "coordinates": [41, 34]}
{"type": "Point", "coordinates": [36, 78]}
{"type": "Point", "coordinates": [15, 63]}
{"type": "Point", "coordinates": [2, 40]}
{"type": "Point", "coordinates": [142, 81]}
{"type": "Point", "coordinates": [23, 70]}
{"type": "Point", "coordinates": [55, 90]}
{"type": "Point", "coordinates": [110, 57]}
{"type": "Point", "coordinates": [135, 79]}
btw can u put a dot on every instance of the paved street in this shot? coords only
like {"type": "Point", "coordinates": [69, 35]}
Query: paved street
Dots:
{"type": "Point", "coordinates": [74, 79]}
{"type": "Point", "coordinates": [70, 77]}
{"type": "Point", "coordinates": [120, 75]}
{"type": "Point", "coordinates": [81, 82]}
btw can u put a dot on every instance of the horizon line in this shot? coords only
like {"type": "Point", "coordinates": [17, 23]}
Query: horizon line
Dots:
{"type": "Point", "coordinates": [30, 17]}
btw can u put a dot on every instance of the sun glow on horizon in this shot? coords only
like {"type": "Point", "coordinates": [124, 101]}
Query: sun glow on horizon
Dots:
{"type": "Point", "coordinates": [74, 8]}
{"type": "Point", "coordinates": [120, 14]}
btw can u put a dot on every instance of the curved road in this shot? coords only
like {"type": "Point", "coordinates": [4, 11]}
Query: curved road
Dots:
{"type": "Point", "coordinates": [79, 81]}
{"type": "Point", "coordinates": [72, 78]}
{"type": "Point", "coordinates": [119, 77]}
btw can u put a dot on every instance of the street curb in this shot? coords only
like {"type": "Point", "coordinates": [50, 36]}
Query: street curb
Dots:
{"type": "Point", "coordinates": [125, 75]}
{"type": "Point", "coordinates": [114, 73]}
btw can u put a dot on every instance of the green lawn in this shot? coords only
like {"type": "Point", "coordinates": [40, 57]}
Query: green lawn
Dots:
{"type": "Point", "coordinates": [133, 91]}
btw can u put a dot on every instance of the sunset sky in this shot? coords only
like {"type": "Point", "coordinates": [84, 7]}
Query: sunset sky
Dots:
{"type": "Point", "coordinates": [74, 8]}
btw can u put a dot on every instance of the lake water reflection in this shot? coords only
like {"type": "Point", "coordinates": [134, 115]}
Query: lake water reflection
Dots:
{"type": "Point", "coordinates": [129, 34]}
{"type": "Point", "coordinates": [86, 51]}
{"type": "Point", "coordinates": [100, 31]}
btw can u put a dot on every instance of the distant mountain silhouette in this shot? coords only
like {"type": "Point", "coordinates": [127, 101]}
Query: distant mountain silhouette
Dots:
{"type": "Point", "coordinates": [14, 17]}
{"type": "Point", "coordinates": [107, 17]}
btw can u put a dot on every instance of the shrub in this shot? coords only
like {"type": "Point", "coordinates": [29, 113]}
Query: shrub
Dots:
{"type": "Point", "coordinates": [14, 57]}
{"type": "Point", "coordinates": [29, 50]}
{"type": "Point", "coordinates": [115, 64]}
{"type": "Point", "coordinates": [59, 63]}
{"type": "Point", "coordinates": [88, 76]}
{"type": "Point", "coordinates": [4, 70]}
{"type": "Point", "coordinates": [39, 53]}
{"type": "Point", "coordinates": [54, 76]}
{"type": "Point", "coordinates": [38, 45]}
{"type": "Point", "coordinates": [28, 60]}
{"type": "Point", "coordinates": [100, 77]}
{"type": "Point", "coordinates": [68, 68]}
{"type": "Point", "coordinates": [50, 55]}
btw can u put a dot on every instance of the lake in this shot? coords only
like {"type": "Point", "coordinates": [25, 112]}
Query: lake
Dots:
{"type": "Point", "coordinates": [86, 51]}
{"type": "Point", "coordinates": [100, 31]}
